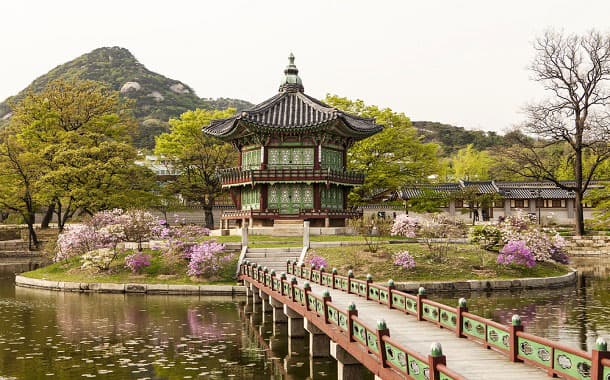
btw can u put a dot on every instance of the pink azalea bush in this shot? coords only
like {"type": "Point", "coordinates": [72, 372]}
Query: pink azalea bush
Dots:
{"type": "Point", "coordinates": [206, 259]}
{"type": "Point", "coordinates": [516, 252]}
{"type": "Point", "coordinates": [137, 261]}
{"type": "Point", "coordinates": [317, 261]}
{"type": "Point", "coordinates": [76, 240]}
{"type": "Point", "coordinates": [404, 226]}
{"type": "Point", "coordinates": [404, 260]}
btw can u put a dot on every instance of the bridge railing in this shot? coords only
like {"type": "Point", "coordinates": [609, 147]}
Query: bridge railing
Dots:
{"type": "Point", "coordinates": [375, 341]}
{"type": "Point", "coordinates": [509, 340]}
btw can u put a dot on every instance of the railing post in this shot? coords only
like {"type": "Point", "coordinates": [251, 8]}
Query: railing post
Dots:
{"type": "Point", "coordinates": [597, 354]}
{"type": "Point", "coordinates": [312, 267]}
{"type": "Point", "coordinates": [254, 271]}
{"type": "Point", "coordinates": [293, 283]}
{"type": "Point", "coordinates": [513, 329]}
{"type": "Point", "coordinates": [334, 275]}
{"type": "Point", "coordinates": [421, 295]}
{"type": "Point", "coordinates": [306, 291]}
{"type": "Point", "coordinates": [265, 271]}
{"type": "Point", "coordinates": [435, 358]}
{"type": "Point", "coordinates": [288, 266]}
{"type": "Point", "coordinates": [272, 280]}
{"type": "Point", "coordinates": [325, 298]}
{"type": "Point", "coordinates": [382, 330]}
{"type": "Point", "coordinates": [282, 279]}
{"type": "Point", "coordinates": [321, 274]}
{"type": "Point", "coordinates": [459, 325]}
{"type": "Point", "coordinates": [351, 312]}
{"type": "Point", "coordinates": [350, 275]}
{"type": "Point", "coordinates": [369, 280]}
{"type": "Point", "coordinates": [391, 287]}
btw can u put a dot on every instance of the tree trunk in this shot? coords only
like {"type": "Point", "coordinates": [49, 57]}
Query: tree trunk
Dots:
{"type": "Point", "coordinates": [48, 217]}
{"type": "Point", "coordinates": [208, 216]}
{"type": "Point", "coordinates": [579, 220]}
{"type": "Point", "coordinates": [32, 238]}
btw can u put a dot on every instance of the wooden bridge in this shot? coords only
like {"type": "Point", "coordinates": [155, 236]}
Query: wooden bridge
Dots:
{"type": "Point", "coordinates": [351, 320]}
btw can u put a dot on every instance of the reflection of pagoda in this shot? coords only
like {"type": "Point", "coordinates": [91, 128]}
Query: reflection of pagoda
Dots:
{"type": "Point", "coordinates": [292, 155]}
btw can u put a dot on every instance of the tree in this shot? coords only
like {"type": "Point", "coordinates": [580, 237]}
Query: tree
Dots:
{"type": "Point", "coordinates": [391, 158]}
{"type": "Point", "coordinates": [78, 133]}
{"type": "Point", "coordinates": [197, 157]}
{"type": "Point", "coordinates": [470, 164]}
{"type": "Point", "coordinates": [574, 70]}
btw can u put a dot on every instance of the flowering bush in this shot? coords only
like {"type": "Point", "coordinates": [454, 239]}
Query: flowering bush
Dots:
{"type": "Point", "coordinates": [405, 260]}
{"type": "Point", "coordinates": [137, 261]}
{"type": "Point", "coordinates": [98, 259]}
{"type": "Point", "coordinates": [404, 226]}
{"type": "Point", "coordinates": [317, 261]}
{"type": "Point", "coordinates": [139, 225]}
{"type": "Point", "coordinates": [437, 232]}
{"type": "Point", "coordinates": [206, 259]}
{"type": "Point", "coordinates": [488, 236]}
{"type": "Point", "coordinates": [516, 252]}
{"type": "Point", "coordinates": [75, 240]}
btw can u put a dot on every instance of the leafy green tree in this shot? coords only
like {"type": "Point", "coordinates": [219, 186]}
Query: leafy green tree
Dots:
{"type": "Point", "coordinates": [78, 133]}
{"type": "Point", "coordinates": [391, 158]}
{"type": "Point", "coordinates": [471, 165]}
{"type": "Point", "coordinates": [197, 157]}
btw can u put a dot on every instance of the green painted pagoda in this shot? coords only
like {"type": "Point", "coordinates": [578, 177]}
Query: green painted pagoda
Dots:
{"type": "Point", "coordinates": [292, 158]}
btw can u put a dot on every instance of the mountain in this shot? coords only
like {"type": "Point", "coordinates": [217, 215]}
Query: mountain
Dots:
{"type": "Point", "coordinates": [157, 98]}
{"type": "Point", "coordinates": [452, 138]}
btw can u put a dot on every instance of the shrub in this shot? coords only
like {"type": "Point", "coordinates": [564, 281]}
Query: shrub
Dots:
{"type": "Point", "coordinates": [76, 240]}
{"type": "Point", "coordinates": [206, 259]}
{"type": "Point", "coordinates": [404, 260]}
{"type": "Point", "coordinates": [317, 261]}
{"type": "Point", "coordinates": [488, 236]}
{"type": "Point", "coordinates": [404, 226]}
{"type": "Point", "coordinates": [98, 259]}
{"type": "Point", "coordinates": [516, 252]}
{"type": "Point", "coordinates": [137, 261]}
{"type": "Point", "coordinates": [437, 232]}
{"type": "Point", "coordinates": [373, 230]}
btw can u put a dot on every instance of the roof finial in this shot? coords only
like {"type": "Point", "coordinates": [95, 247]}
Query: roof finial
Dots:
{"type": "Point", "coordinates": [291, 82]}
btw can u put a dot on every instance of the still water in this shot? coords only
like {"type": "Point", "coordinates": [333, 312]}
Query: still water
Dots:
{"type": "Point", "coordinates": [52, 335]}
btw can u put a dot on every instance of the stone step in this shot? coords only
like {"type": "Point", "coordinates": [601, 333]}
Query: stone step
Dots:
{"type": "Point", "coordinates": [276, 250]}
{"type": "Point", "coordinates": [24, 253]}
{"type": "Point", "coordinates": [13, 245]}
{"type": "Point", "coordinates": [283, 222]}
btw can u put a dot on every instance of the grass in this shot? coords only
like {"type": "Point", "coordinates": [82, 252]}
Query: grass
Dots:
{"type": "Point", "coordinates": [465, 262]}
{"type": "Point", "coordinates": [159, 272]}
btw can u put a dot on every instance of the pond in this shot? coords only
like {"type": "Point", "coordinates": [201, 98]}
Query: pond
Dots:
{"type": "Point", "coordinates": [54, 335]}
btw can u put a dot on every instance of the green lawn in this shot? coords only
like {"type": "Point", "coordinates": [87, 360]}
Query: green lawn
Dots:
{"type": "Point", "coordinates": [158, 272]}
{"type": "Point", "coordinates": [466, 262]}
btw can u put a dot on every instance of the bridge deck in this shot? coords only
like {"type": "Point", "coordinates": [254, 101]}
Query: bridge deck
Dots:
{"type": "Point", "coordinates": [464, 356]}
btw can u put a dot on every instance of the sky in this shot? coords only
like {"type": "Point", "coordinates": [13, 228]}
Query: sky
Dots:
{"type": "Point", "coordinates": [457, 62]}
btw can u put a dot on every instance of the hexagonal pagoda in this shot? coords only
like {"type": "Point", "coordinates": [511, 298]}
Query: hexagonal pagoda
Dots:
{"type": "Point", "coordinates": [292, 158]}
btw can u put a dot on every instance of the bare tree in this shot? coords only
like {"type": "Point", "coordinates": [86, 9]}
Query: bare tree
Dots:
{"type": "Point", "coordinates": [573, 124]}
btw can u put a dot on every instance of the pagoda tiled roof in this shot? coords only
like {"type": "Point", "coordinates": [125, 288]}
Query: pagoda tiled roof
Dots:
{"type": "Point", "coordinates": [291, 111]}
{"type": "Point", "coordinates": [441, 190]}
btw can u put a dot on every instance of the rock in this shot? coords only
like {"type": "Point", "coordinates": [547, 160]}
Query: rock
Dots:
{"type": "Point", "coordinates": [179, 88]}
{"type": "Point", "coordinates": [130, 86]}
{"type": "Point", "coordinates": [156, 95]}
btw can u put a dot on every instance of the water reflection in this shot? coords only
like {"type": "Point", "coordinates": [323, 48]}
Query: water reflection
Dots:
{"type": "Point", "coordinates": [574, 315]}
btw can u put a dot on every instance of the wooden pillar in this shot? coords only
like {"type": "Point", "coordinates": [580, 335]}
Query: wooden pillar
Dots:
{"type": "Point", "coordinates": [317, 200]}
{"type": "Point", "coordinates": [264, 192]}
{"type": "Point", "coordinates": [316, 156]}
{"type": "Point", "coordinates": [239, 158]}
{"type": "Point", "coordinates": [263, 157]}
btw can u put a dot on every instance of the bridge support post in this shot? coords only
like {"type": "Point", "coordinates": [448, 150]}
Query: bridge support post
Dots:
{"type": "Point", "coordinates": [265, 301]}
{"type": "Point", "coordinates": [295, 323]}
{"type": "Point", "coordinates": [255, 296]}
{"type": "Point", "coordinates": [319, 342]}
{"type": "Point", "coordinates": [277, 309]}
{"type": "Point", "coordinates": [348, 367]}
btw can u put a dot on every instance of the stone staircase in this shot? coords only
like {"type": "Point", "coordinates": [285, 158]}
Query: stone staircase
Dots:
{"type": "Point", "coordinates": [287, 227]}
{"type": "Point", "coordinates": [13, 248]}
{"type": "Point", "coordinates": [273, 258]}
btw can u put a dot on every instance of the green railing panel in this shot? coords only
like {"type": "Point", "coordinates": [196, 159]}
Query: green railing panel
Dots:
{"type": "Point", "coordinates": [442, 376]}
{"type": "Point", "coordinates": [312, 303]}
{"type": "Point", "coordinates": [305, 273]}
{"type": "Point", "coordinates": [327, 279]}
{"type": "Point", "coordinates": [398, 301]}
{"type": "Point", "coordinates": [362, 289]}
{"type": "Point", "coordinates": [384, 296]}
{"type": "Point", "coordinates": [343, 321]}
{"type": "Point", "coordinates": [448, 319]}
{"type": "Point", "coordinates": [276, 283]}
{"type": "Point", "coordinates": [333, 315]}
{"type": "Point", "coordinates": [359, 332]}
{"type": "Point", "coordinates": [572, 365]}
{"type": "Point", "coordinates": [320, 306]}
{"type": "Point", "coordinates": [353, 287]}
{"type": "Point", "coordinates": [396, 356]}
{"type": "Point", "coordinates": [430, 312]}
{"type": "Point", "coordinates": [418, 369]}
{"type": "Point", "coordinates": [286, 288]}
{"type": "Point", "coordinates": [344, 284]}
{"type": "Point", "coordinates": [298, 272]}
{"type": "Point", "coordinates": [374, 293]}
{"type": "Point", "coordinates": [289, 269]}
{"type": "Point", "coordinates": [338, 283]}
{"type": "Point", "coordinates": [606, 373]}
{"type": "Point", "coordinates": [536, 352]}
{"type": "Point", "coordinates": [371, 341]}
{"type": "Point", "coordinates": [411, 305]}
{"type": "Point", "coordinates": [473, 328]}
{"type": "Point", "coordinates": [498, 338]}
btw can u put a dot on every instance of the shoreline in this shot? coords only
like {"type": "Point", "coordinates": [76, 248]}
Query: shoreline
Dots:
{"type": "Point", "coordinates": [172, 289]}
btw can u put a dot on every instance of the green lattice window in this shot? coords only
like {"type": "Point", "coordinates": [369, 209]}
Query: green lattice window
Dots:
{"type": "Point", "coordinates": [251, 159]}
{"type": "Point", "coordinates": [290, 198]}
{"type": "Point", "coordinates": [331, 198]}
{"type": "Point", "coordinates": [332, 159]}
{"type": "Point", "coordinates": [250, 198]}
{"type": "Point", "coordinates": [290, 157]}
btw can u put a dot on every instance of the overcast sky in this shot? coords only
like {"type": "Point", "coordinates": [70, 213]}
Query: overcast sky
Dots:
{"type": "Point", "coordinates": [457, 62]}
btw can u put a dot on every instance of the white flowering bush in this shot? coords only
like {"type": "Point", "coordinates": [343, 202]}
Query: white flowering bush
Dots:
{"type": "Point", "coordinates": [98, 259]}
{"type": "Point", "coordinates": [404, 226]}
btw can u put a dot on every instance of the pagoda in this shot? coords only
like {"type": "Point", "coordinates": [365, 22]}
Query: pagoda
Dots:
{"type": "Point", "coordinates": [292, 158]}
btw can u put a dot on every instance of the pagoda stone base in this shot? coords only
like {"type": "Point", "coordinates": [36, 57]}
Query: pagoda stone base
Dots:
{"type": "Point", "coordinates": [274, 231]}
